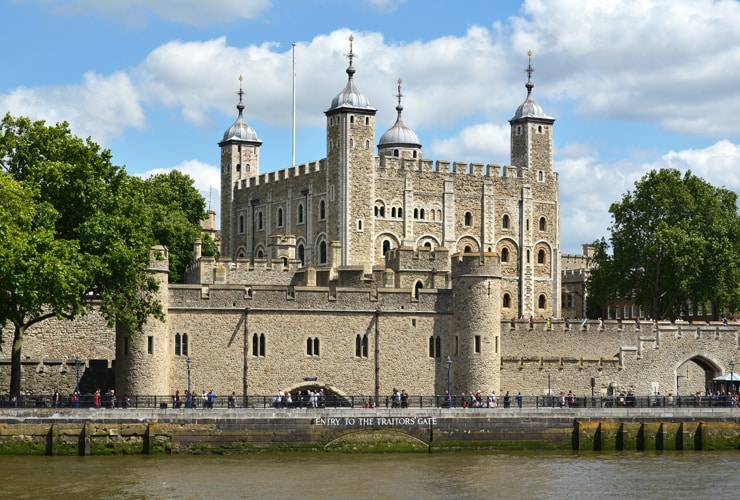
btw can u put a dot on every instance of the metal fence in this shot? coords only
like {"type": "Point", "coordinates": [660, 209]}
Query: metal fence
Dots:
{"type": "Point", "coordinates": [364, 401]}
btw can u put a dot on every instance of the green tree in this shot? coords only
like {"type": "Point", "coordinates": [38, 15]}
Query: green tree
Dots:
{"type": "Point", "coordinates": [675, 241]}
{"type": "Point", "coordinates": [74, 229]}
{"type": "Point", "coordinates": [176, 209]}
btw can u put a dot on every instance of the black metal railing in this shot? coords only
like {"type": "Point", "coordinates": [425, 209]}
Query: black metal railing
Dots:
{"type": "Point", "coordinates": [363, 401]}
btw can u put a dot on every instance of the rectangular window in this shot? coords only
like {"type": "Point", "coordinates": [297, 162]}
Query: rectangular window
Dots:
{"type": "Point", "coordinates": [477, 344]}
{"type": "Point", "coordinates": [150, 344]}
{"type": "Point", "coordinates": [457, 345]}
{"type": "Point", "coordinates": [185, 350]}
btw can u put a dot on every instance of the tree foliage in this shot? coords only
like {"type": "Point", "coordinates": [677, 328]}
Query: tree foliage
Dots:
{"type": "Point", "coordinates": [675, 241]}
{"type": "Point", "coordinates": [73, 227]}
{"type": "Point", "coordinates": [176, 209]}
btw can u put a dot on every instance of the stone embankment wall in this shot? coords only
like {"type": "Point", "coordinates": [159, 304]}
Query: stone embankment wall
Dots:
{"type": "Point", "coordinates": [83, 432]}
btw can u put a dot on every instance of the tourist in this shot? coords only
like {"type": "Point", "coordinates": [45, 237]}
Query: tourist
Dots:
{"type": "Point", "coordinates": [56, 399]}
{"type": "Point", "coordinates": [404, 399]}
{"type": "Point", "coordinates": [96, 399]}
{"type": "Point", "coordinates": [670, 399]}
{"type": "Point", "coordinates": [288, 399]}
{"type": "Point", "coordinates": [519, 399]}
{"type": "Point", "coordinates": [232, 400]}
{"type": "Point", "coordinates": [507, 400]}
{"type": "Point", "coordinates": [211, 399]}
{"type": "Point", "coordinates": [448, 399]}
{"type": "Point", "coordinates": [176, 402]}
{"type": "Point", "coordinates": [112, 396]}
{"type": "Point", "coordinates": [126, 403]}
{"type": "Point", "coordinates": [492, 399]}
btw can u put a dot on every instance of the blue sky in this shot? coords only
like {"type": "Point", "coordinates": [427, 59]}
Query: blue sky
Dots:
{"type": "Point", "coordinates": [634, 84]}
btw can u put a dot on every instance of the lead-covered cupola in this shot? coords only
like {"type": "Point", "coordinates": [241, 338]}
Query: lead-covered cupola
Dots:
{"type": "Point", "coordinates": [350, 97]}
{"type": "Point", "coordinates": [399, 140]}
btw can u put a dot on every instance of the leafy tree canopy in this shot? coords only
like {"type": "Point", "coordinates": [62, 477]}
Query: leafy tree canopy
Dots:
{"type": "Point", "coordinates": [176, 209]}
{"type": "Point", "coordinates": [675, 240]}
{"type": "Point", "coordinates": [73, 226]}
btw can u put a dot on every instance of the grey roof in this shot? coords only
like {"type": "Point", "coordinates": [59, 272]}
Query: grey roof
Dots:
{"type": "Point", "coordinates": [530, 109]}
{"type": "Point", "coordinates": [399, 134]}
{"type": "Point", "coordinates": [240, 131]}
{"type": "Point", "coordinates": [350, 97]}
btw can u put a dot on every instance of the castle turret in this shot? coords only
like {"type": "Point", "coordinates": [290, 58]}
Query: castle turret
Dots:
{"type": "Point", "coordinates": [240, 160]}
{"type": "Point", "coordinates": [476, 335]}
{"type": "Point", "coordinates": [350, 135]}
{"type": "Point", "coordinates": [531, 132]}
{"type": "Point", "coordinates": [399, 140]}
{"type": "Point", "coordinates": [142, 358]}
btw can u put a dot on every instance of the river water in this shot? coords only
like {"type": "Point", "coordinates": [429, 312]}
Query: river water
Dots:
{"type": "Point", "coordinates": [673, 475]}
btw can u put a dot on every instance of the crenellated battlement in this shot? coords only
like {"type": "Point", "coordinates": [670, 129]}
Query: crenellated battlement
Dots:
{"type": "Point", "coordinates": [445, 167]}
{"type": "Point", "coordinates": [208, 270]}
{"type": "Point", "coordinates": [407, 258]}
{"type": "Point", "coordinates": [284, 174]}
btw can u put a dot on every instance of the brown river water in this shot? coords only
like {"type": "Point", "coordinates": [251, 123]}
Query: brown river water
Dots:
{"type": "Point", "coordinates": [670, 475]}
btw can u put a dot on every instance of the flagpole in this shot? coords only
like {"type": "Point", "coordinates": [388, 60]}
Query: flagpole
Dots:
{"type": "Point", "coordinates": [293, 157]}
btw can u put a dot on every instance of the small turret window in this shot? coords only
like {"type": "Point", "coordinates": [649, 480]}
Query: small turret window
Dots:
{"type": "Point", "coordinates": [542, 302]}
{"type": "Point", "coordinates": [541, 257]}
{"type": "Point", "coordinates": [367, 120]}
{"type": "Point", "coordinates": [260, 221]}
{"type": "Point", "coordinates": [279, 217]}
{"type": "Point", "coordinates": [352, 119]}
{"type": "Point", "coordinates": [322, 210]}
{"type": "Point", "coordinates": [507, 300]}
{"type": "Point", "coordinates": [504, 254]}
{"type": "Point", "coordinates": [322, 252]}
{"type": "Point", "coordinates": [300, 213]}
{"type": "Point", "coordinates": [543, 224]}
{"type": "Point", "coordinates": [505, 222]}
{"type": "Point", "coordinates": [468, 219]}
{"type": "Point", "coordinates": [241, 223]}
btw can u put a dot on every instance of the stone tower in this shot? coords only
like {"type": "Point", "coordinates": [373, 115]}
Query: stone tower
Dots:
{"type": "Point", "coordinates": [531, 154]}
{"type": "Point", "coordinates": [142, 358]}
{"type": "Point", "coordinates": [476, 333]}
{"type": "Point", "coordinates": [240, 161]}
{"type": "Point", "coordinates": [350, 140]}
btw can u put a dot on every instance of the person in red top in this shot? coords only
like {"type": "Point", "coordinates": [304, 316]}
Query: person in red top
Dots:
{"type": "Point", "coordinates": [96, 399]}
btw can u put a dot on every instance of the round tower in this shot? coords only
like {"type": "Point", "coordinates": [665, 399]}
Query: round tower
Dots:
{"type": "Point", "coordinates": [476, 325]}
{"type": "Point", "coordinates": [142, 358]}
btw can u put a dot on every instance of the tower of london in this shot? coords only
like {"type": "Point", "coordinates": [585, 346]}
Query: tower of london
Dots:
{"type": "Point", "coordinates": [377, 268]}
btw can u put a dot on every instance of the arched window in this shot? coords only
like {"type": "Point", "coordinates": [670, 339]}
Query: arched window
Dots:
{"type": "Point", "coordinates": [431, 346]}
{"type": "Point", "coordinates": [322, 252]}
{"type": "Point", "coordinates": [438, 347]}
{"type": "Point", "coordinates": [507, 300]}
{"type": "Point", "coordinates": [505, 222]}
{"type": "Point", "coordinates": [382, 211]}
{"type": "Point", "coordinates": [322, 210]}
{"type": "Point", "coordinates": [312, 346]}
{"type": "Point", "coordinates": [300, 213]}
{"type": "Point", "coordinates": [541, 257]}
{"type": "Point", "coordinates": [279, 217]}
{"type": "Point", "coordinates": [258, 345]}
{"type": "Point", "coordinates": [302, 254]}
{"type": "Point", "coordinates": [416, 213]}
{"type": "Point", "coordinates": [417, 287]}
{"type": "Point", "coordinates": [177, 344]}
{"type": "Point", "coordinates": [542, 302]}
{"type": "Point", "coordinates": [468, 219]}
{"type": "Point", "coordinates": [386, 246]}
{"type": "Point", "coordinates": [428, 245]}
{"type": "Point", "coordinates": [400, 212]}
{"type": "Point", "coordinates": [468, 249]}
{"type": "Point", "coordinates": [504, 254]}
{"type": "Point", "coordinates": [260, 221]}
{"type": "Point", "coordinates": [260, 254]}
{"type": "Point", "coordinates": [395, 153]}
{"type": "Point", "coordinates": [393, 212]}
{"type": "Point", "coordinates": [352, 119]}
{"type": "Point", "coordinates": [543, 224]}
{"type": "Point", "coordinates": [414, 153]}
{"type": "Point", "coordinates": [421, 214]}
{"type": "Point", "coordinates": [241, 223]}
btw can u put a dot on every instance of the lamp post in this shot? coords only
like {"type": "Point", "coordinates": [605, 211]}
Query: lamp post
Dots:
{"type": "Point", "coordinates": [189, 402]}
{"type": "Point", "coordinates": [449, 395]}
{"type": "Point", "coordinates": [78, 360]}
{"type": "Point", "coordinates": [732, 383]}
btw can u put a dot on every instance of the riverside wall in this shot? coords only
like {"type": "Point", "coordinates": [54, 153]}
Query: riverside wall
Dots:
{"type": "Point", "coordinates": [102, 432]}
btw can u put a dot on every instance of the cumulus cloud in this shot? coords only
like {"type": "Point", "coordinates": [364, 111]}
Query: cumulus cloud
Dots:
{"type": "Point", "coordinates": [100, 106]}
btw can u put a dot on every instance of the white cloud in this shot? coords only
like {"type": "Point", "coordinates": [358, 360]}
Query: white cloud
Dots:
{"type": "Point", "coordinates": [483, 141]}
{"type": "Point", "coordinates": [100, 106]}
{"type": "Point", "coordinates": [663, 61]}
